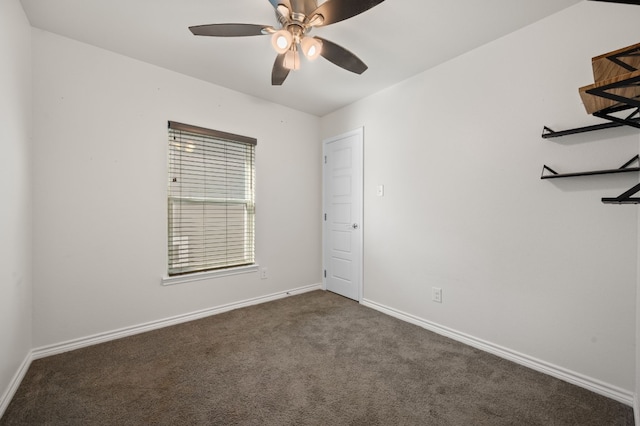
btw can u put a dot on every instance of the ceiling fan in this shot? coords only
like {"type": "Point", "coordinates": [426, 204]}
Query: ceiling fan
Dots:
{"type": "Point", "coordinates": [297, 18]}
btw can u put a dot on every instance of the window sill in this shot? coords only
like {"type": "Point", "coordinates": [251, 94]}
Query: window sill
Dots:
{"type": "Point", "coordinates": [199, 276]}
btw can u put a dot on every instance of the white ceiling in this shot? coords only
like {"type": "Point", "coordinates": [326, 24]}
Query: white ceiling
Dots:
{"type": "Point", "coordinates": [397, 39]}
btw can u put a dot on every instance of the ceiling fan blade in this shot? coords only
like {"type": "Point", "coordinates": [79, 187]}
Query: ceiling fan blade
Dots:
{"type": "Point", "coordinates": [341, 57]}
{"type": "Point", "coordinates": [229, 30]}
{"type": "Point", "coordinates": [279, 73]}
{"type": "Point", "coordinates": [338, 10]}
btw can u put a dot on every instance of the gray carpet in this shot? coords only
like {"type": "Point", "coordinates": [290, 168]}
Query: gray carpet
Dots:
{"type": "Point", "coordinates": [312, 359]}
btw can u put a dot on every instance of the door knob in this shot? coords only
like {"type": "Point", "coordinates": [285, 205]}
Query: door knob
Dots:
{"type": "Point", "coordinates": [355, 226]}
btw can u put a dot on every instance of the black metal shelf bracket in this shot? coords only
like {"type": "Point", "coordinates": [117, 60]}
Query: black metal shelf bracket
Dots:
{"type": "Point", "coordinates": [632, 120]}
{"type": "Point", "coordinates": [550, 170]}
{"type": "Point", "coordinates": [625, 101]}
{"type": "Point", "coordinates": [627, 53]}
{"type": "Point", "coordinates": [549, 173]}
{"type": "Point", "coordinates": [548, 133]}
{"type": "Point", "coordinates": [625, 197]}
{"type": "Point", "coordinates": [621, 1]}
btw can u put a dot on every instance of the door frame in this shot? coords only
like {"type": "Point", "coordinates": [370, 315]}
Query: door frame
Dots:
{"type": "Point", "coordinates": [359, 157]}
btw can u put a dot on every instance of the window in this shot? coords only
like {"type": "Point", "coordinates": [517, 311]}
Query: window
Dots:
{"type": "Point", "coordinates": [211, 207]}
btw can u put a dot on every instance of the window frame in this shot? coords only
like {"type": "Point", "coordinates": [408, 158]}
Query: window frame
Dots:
{"type": "Point", "coordinates": [173, 274]}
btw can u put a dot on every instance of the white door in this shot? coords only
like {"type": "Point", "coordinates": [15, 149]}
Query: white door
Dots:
{"type": "Point", "coordinates": [342, 225]}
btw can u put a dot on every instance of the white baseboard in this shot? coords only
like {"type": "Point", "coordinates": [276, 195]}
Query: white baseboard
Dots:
{"type": "Point", "coordinates": [569, 376]}
{"type": "Point", "coordinates": [70, 345]}
{"type": "Point", "coordinates": [15, 383]}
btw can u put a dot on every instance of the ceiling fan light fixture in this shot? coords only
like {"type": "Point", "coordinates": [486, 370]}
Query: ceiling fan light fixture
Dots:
{"type": "Point", "coordinates": [281, 41]}
{"type": "Point", "coordinates": [292, 60]}
{"type": "Point", "coordinates": [311, 47]}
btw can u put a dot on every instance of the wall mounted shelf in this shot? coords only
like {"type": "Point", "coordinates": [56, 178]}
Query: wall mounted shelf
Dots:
{"type": "Point", "coordinates": [620, 1]}
{"type": "Point", "coordinates": [552, 174]}
{"type": "Point", "coordinates": [616, 87]}
{"type": "Point", "coordinates": [634, 118]}
{"type": "Point", "coordinates": [631, 120]}
{"type": "Point", "coordinates": [616, 90]}
{"type": "Point", "coordinates": [624, 198]}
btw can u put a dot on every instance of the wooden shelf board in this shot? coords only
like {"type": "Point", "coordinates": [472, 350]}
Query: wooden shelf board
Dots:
{"type": "Point", "coordinates": [605, 68]}
{"type": "Point", "coordinates": [593, 103]}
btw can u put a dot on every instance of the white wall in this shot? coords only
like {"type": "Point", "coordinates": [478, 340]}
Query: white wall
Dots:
{"type": "Point", "coordinates": [539, 267]}
{"type": "Point", "coordinates": [100, 219]}
{"type": "Point", "coordinates": [542, 268]}
{"type": "Point", "coordinates": [15, 192]}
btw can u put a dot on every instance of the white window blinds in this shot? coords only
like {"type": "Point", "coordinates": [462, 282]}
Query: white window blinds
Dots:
{"type": "Point", "coordinates": [210, 199]}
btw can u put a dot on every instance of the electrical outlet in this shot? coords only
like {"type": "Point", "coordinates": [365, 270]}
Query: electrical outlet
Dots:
{"type": "Point", "coordinates": [436, 294]}
{"type": "Point", "coordinates": [263, 273]}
